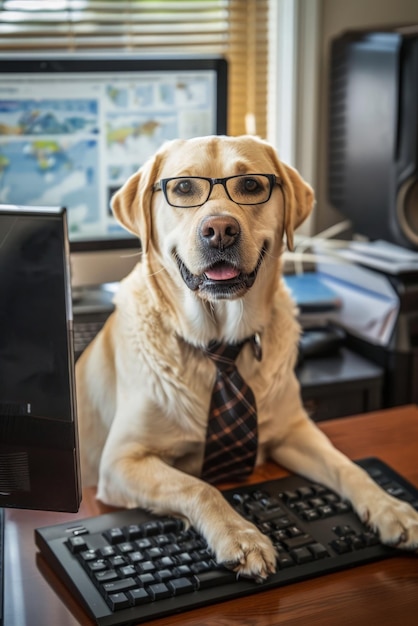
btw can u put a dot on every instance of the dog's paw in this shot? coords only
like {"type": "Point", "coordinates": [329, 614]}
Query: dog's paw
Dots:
{"type": "Point", "coordinates": [396, 522]}
{"type": "Point", "coordinates": [246, 551]}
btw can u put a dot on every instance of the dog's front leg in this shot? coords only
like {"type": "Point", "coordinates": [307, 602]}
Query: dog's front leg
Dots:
{"type": "Point", "coordinates": [131, 476]}
{"type": "Point", "coordinates": [306, 450]}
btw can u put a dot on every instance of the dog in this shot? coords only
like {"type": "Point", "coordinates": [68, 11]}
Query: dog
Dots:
{"type": "Point", "coordinates": [210, 270]}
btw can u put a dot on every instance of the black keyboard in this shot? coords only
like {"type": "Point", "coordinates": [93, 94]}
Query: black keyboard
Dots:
{"type": "Point", "coordinates": [86, 327]}
{"type": "Point", "coordinates": [128, 566]}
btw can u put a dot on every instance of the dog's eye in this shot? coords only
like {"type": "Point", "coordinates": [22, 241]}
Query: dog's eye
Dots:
{"type": "Point", "coordinates": [251, 185]}
{"type": "Point", "coordinates": [184, 186]}
{"type": "Point", "coordinates": [248, 189]}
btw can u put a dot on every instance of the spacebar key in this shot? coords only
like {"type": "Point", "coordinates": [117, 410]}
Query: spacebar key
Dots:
{"type": "Point", "coordinates": [215, 578]}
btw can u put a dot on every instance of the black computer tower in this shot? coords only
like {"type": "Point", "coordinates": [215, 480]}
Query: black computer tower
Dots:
{"type": "Point", "coordinates": [373, 133]}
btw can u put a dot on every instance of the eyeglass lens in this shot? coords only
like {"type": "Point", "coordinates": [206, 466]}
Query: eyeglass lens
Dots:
{"type": "Point", "coordinates": [245, 189]}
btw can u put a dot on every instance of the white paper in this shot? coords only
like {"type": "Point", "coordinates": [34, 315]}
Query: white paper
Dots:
{"type": "Point", "coordinates": [370, 305]}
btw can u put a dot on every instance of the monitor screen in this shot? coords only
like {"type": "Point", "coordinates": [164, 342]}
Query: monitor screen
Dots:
{"type": "Point", "coordinates": [73, 129]}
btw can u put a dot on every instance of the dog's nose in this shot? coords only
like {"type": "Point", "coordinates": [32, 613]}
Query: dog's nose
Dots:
{"type": "Point", "coordinates": [219, 231]}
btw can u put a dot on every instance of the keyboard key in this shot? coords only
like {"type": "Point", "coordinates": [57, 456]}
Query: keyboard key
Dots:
{"type": "Point", "coordinates": [184, 558]}
{"type": "Point", "coordinates": [202, 566]}
{"type": "Point", "coordinates": [174, 548]}
{"type": "Point", "coordinates": [170, 525]}
{"type": "Point", "coordinates": [326, 510]}
{"type": "Point", "coordinates": [147, 567]}
{"type": "Point", "coordinates": [136, 557]}
{"type": "Point", "coordinates": [134, 531]}
{"type": "Point", "coordinates": [77, 544]}
{"type": "Point", "coordinates": [343, 531]}
{"type": "Point", "coordinates": [106, 576]}
{"type": "Point", "coordinates": [107, 551]}
{"type": "Point", "coordinates": [155, 553]}
{"type": "Point", "coordinates": [97, 566]}
{"type": "Point", "coordinates": [125, 547]}
{"type": "Point", "coordinates": [166, 561]}
{"type": "Point", "coordinates": [118, 561]}
{"type": "Point", "coordinates": [318, 550]}
{"type": "Point", "coordinates": [138, 596]}
{"type": "Point", "coordinates": [302, 555]}
{"type": "Point", "coordinates": [159, 591]}
{"type": "Point", "coordinates": [310, 516]}
{"type": "Point", "coordinates": [395, 490]}
{"type": "Point", "coordinates": [340, 546]}
{"type": "Point", "coordinates": [316, 502]}
{"type": "Point", "coordinates": [151, 528]}
{"type": "Point", "coordinates": [270, 514]}
{"type": "Point", "coordinates": [179, 586]}
{"type": "Point", "coordinates": [88, 555]}
{"type": "Point", "coordinates": [284, 561]}
{"type": "Point", "coordinates": [215, 578]}
{"type": "Point", "coordinates": [162, 575]}
{"type": "Point", "coordinates": [115, 586]}
{"type": "Point", "coordinates": [356, 542]}
{"type": "Point", "coordinates": [114, 535]}
{"type": "Point", "coordinates": [289, 496]}
{"type": "Point", "coordinates": [281, 523]}
{"type": "Point", "coordinates": [294, 531]}
{"type": "Point", "coordinates": [127, 570]}
{"type": "Point", "coordinates": [369, 538]}
{"type": "Point", "coordinates": [117, 601]}
{"type": "Point", "coordinates": [305, 492]}
{"type": "Point", "coordinates": [298, 542]}
{"type": "Point", "coordinates": [147, 579]}
{"type": "Point", "coordinates": [143, 544]}
{"type": "Point", "coordinates": [342, 507]}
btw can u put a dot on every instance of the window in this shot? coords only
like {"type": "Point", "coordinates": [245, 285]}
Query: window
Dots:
{"type": "Point", "coordinates": [236, 29]}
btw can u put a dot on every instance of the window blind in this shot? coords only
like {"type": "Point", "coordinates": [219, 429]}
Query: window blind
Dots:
{"type": "Point", "coordinates": [235, 29]}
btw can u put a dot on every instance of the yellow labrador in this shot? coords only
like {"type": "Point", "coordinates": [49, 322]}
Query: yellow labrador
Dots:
{"type": "Point", "coordinates": [210, 270]}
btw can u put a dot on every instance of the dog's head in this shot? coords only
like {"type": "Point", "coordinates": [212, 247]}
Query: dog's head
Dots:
{"type": "Point", "coordinates": [214, 210]}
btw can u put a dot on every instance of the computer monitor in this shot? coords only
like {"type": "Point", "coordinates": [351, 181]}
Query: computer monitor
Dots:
{"type": "Point", "coordinates": [39, 457]}
{"type": "Point", "coordinates": [73, 128]}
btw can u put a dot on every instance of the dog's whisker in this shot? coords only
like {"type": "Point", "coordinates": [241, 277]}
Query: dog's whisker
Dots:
{"type": "Point", "coordinates": [163, 269]}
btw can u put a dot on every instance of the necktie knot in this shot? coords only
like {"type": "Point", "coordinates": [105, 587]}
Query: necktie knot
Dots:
{"type": "Point", "coordinates": [224, 354]}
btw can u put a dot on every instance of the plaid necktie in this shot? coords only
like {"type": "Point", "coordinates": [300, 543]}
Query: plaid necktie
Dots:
{"type": "Point", "coordinates": [231, 438]}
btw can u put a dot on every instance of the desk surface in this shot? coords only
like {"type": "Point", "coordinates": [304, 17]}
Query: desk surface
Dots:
{"type": "Point", "coordinates": [384, 593]}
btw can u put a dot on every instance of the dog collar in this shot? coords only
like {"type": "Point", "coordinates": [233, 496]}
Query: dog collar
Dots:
{"type": "Point", "coordinates": [255, 342]}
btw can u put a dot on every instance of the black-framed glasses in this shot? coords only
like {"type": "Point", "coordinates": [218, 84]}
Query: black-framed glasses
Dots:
{"type": "Point", "coordinates": [188, 192]}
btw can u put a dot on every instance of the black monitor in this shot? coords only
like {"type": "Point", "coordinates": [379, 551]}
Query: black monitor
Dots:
{"type": "Point", "coordinates": [74, 128]}
{"type": "Point", "coordinates": [39, 459]}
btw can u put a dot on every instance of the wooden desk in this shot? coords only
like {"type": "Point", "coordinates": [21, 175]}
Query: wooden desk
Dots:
{"type": "Point", "coordinates": [384, 593]}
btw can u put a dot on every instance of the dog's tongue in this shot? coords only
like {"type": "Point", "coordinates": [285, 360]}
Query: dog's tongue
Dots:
{"type": "Point", "coordinates": [221, 272]}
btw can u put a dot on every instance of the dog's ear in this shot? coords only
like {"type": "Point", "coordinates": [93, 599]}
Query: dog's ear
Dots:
{"type": "Point", "coordinates": [298, 196]}
{"type": "Point", "coordinates": [131, 204]}
{"type": "Point", "coordinates": [299, 201]}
